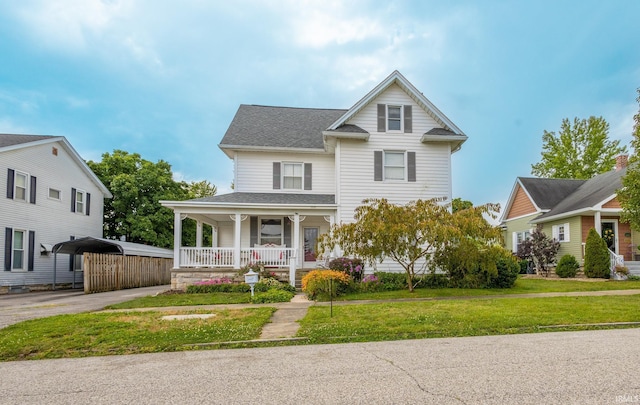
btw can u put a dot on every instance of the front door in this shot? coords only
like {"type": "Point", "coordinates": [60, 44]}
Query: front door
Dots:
{"type": "Point", "coordinates": [310, 240]}
{"type": "Point", "coordinates": [609, 234]}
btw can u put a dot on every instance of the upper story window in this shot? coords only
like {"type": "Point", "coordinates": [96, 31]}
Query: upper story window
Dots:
{"type": "Point", "coordinates": [80, 201]}
{"type": "Point", "coordinates": [394, 118]}
{"type": "Point", "coordinates": [20, 192]}
{"type": "Point", "coordinates": [394, 165]}
{"type": "Point", "coordinates": [54, 194]}
{"type": "Point", "coordinates": [292, 176]}
{"type": "Point", "coordinates": [21, 186]}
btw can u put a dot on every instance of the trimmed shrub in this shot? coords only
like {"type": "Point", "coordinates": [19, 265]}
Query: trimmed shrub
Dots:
{"type": "Point", "coordinates": [567, 266]}
{"type": "Point", "coordinates": [325, 283]}
{"type": "Point", "coordinates": [273, 283]}
{"type": "Point", "coordinates": [508, 269]}
{"type": "Point", "coordinates": [352, 267]}
{"type": "Point", "coordinates": [272, 295]}
{"type": "Point", "coordinates": [392, 281]}
{"type": "Point", "coordinates": [524, 266]}
{"type": "Point", "coordinates": [596, 256]}
{"type": "Point", "coordinates": [434, 280]}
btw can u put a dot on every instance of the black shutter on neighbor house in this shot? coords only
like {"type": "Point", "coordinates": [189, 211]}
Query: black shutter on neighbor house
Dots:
{"type": "Point", "coordinates": [377, 165]}
{"type": "Point", "coordinates": [287, 231]}
{"type": "Point", "coordinates": [72, 258]}
{"type": "Point", "coordinates": [73, 199]}
{"type": "Point", "coordinates": [8, 246]}
{"type": "Point", "coordinates": [276, 175]}
{"type": "Point", "coordinates": [307, 176]}
{"type": "Point", "coordinates": [10, 178]}
{"type": "Point", "coordinates": [411, 166]}
{"type": "Point", "coordinates": [32, 248]}
{"type": "Point", "coordinates": [408, 119]}
{"type": "Point", "coordinates": [88, 203]}
{"type": "Point", "coordinates": [253, 231]}
{"type": "Point", "coordinates": [32, 191]}
{"type": "Point", "coordinates": [382, 117]}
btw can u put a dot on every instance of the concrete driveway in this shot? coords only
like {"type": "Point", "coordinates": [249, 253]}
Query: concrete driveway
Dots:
{"type": "Point", "coordinates": [594, 367]}
{"type": "Point", "coordinates": [20, 307]}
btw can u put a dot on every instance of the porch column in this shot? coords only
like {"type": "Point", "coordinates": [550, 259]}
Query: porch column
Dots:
{"type": "Point", "coordinates": [177, 238]}
{"type": "Point", "coordinates": [296, 238]}
{"type": "Point", "coordinates": [199, 234]}
{"type": "Point", "coordinates": [214, 236]}
{"type": "Point", "coordinates": [597, 219]}
{"type": "Point", "coordinates": [236, 242]}
{"type": "Point", "coordinates": [332, 221]}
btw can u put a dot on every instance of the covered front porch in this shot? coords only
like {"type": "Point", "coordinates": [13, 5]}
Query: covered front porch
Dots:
{"type": "Point", "coordinates": [277, 230]}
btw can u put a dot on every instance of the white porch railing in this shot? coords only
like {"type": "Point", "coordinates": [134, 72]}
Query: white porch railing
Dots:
{"type": "Point", "coordinates": [615, 260]}
{"type": "Point", "coordinates": [224, 257]}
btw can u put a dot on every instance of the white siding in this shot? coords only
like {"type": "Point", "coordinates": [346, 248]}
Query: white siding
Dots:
{"type": "Point", "coordinates": [254, 172]}
{"type": "Point", "coordinates": [52, 220]}
{"type": "Point", "coordinates": [433, 160]}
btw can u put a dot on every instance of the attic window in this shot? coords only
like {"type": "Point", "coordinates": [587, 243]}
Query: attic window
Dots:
{"type": "Point", "coordinates": [394, 115]}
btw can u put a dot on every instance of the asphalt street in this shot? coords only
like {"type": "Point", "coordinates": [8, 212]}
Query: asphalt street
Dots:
{"type": "Point", "coordinates": [592, 367]}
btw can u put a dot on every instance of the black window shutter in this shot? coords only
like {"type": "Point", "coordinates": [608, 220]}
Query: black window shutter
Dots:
{"type": "Point", "coordinates": [73, 199]}
{"type": "Point", "coordinates": [377, 165]}
{"type": "Point", "coordinates": [382, 117]}
{"type": "Point", "coordinates": [253, 231]}
{"type": "Point", "coordinates": [307, 176]}
{"type": "Point", "coordinates": [88, 203]}
{"type": "Point", "coordinates": [32, 192]}
{"type": "Point", "coordinates": [8, 248]}
{"type": "Point", "coordinates": [408, 119]}
{"type": "Point", "coordinates": [10, 178]}
{"type": "Point", "coordinates": [411, 166]}
{"type": "Point", "coordinates": [32, 248]}
{"type": "Point", "coordinates": [72, 258]}
{"type": "Point", "coordinates": [276, 175]}
{"type": "Point", "coordinates": [287, 231]}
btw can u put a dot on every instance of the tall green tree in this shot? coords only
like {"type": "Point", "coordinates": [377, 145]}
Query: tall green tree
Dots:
{"type": "Point", "coordinates": [197, 189]}
{"type": "Point", "coordinates": [579, 151]}
{"type": "Point", "coordinates": [458, 204]}
{"type": "Point", "coordinates": [137, 186]}
{"type": "Point", "coordinates": [629, 195]}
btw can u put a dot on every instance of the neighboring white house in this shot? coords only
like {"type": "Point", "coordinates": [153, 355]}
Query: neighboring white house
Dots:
{"type": "Point", "coordinates": [299, 170]}
{"type": "Point", "coordinates": [50, 196]}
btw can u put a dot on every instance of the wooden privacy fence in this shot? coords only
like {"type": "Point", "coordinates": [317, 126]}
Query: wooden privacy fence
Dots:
{"type": "Point", "coordinates": [104, 272]}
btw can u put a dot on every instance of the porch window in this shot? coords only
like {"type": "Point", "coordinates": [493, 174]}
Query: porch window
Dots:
{"type": "Point", "coordinates": [292, 176]}
{"type": "Point", "coordinates": [561, 232]}
{"type": "Point", "coordinates": [271, 231]}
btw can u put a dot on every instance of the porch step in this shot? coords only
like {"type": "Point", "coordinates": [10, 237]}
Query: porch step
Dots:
{"type": "Point", "coordinates": [634, 267]}
{"type": "Point", "coordinates": [299, 275]}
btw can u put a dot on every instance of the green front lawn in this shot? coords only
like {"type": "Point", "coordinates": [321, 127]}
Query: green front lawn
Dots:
{"type": "Point", "coordinates": [522, 286]}
{"type": "Point", "coordinates": [171, 300]}
{"type": "Point", "coordinates": [99, 334]}
{"type": "Point", "coordinates": [449, 318]}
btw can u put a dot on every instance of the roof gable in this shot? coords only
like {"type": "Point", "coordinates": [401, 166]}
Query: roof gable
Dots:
{"type": "Point", "coordinates": [398, 79]}
{"type": "Point", "coordinates": [9, 142]}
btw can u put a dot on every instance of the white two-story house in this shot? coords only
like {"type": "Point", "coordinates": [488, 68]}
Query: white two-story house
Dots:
{"type": "Point", "coordinates": [49, 195]}
{"type": "Point", "coordinates": [297, 171]}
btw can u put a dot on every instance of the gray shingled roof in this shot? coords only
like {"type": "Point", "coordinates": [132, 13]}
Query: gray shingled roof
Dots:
{"type": "Point", "coordinates": [257, 125]}
{"type": "Point", "coordinates": [440, 131]}
{"type": "Point", "coordinates": [590, 193]}
{"type": "Point", "coordinates": [349, 128]}
{"type": "Point", "coordinates": [546, 193]}
{"type": "Point", "coordinates": [269, 198]}
{"type": "Point", "coordinates": [13, 139]}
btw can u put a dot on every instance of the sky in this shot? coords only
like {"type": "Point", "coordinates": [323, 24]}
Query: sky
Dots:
{"type": "Point", "coordinates": [164, 78]}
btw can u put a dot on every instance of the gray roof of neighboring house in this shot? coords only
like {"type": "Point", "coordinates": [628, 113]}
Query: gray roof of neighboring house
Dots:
{"type": "Point", "coordinates": [590, 193]}
{"type": "Point", "coordinates": [546, 193]}
{"type": "Point", "coordinates": [440, 131]}
{"type": "Point", "coordinates": [14, 139]}
{"type": "Point", "coordinates": [270, 198]}
{"type": "Point", "coordinates": [258, 125]}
